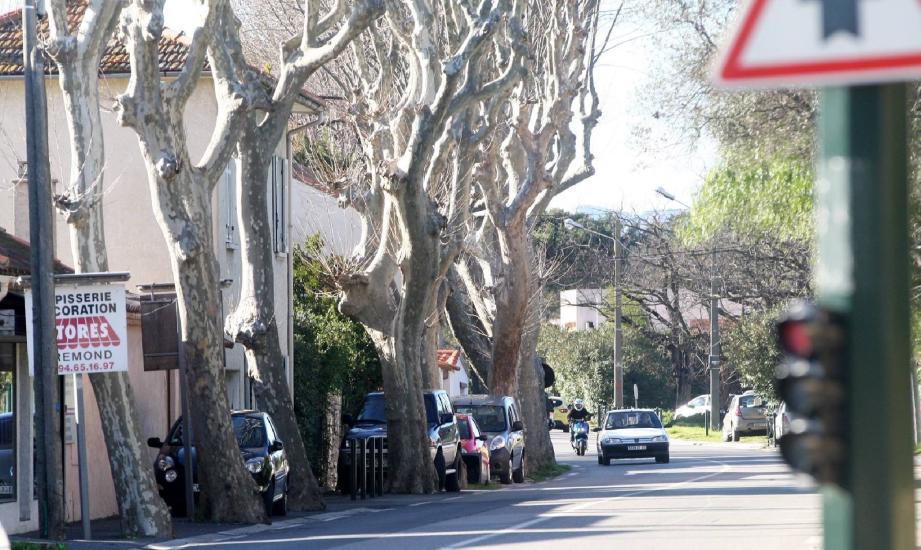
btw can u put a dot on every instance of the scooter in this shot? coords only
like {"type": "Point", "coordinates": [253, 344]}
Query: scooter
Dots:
{"type": "Point", "coordinates": [580, 436]}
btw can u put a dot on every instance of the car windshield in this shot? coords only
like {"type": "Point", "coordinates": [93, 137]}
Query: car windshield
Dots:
{"type": "Point", "coordinates": [250, 431]}
{"type": "Point", "coordinates": [628, 420]}
{"type": "Point", "coordinates": [373, 412]}
{"type": "Point", "coordinates": [489, 418]}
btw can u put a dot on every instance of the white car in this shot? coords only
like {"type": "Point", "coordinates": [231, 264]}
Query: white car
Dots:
{"type": "Point", "coordinates": [695, 406]}
{"type": "Point", "coordinates": [632, 433]}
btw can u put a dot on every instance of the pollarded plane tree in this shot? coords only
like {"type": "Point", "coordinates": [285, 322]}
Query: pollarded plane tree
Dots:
{"type": "Point", "coordinates": [544, 149]}
{"type": "Point", "coordinates": [77, 53]}
{"type": "Point", "coordinates": [424, 87]}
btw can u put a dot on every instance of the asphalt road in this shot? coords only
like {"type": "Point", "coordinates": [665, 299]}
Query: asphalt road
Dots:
{"type": "Point", "coordinates": [710, 496]}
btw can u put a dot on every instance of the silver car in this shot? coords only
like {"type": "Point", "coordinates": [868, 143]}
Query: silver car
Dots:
{"type": "Point", "coordinates": [746, 416]}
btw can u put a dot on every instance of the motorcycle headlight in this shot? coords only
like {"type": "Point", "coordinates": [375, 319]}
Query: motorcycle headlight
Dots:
{"type": "Point", "coordinates": [611, 441]}
{"type": "Point", "coordinates": [659, 439]}
{"type": "Point", "coordinates": [254, 465]}
{"type": "Point", "coordinates": [497, 443]}
{"type": "Point", "coordinates": [165, 463]}
{"type": "Point", "coordinates": [170, 476]}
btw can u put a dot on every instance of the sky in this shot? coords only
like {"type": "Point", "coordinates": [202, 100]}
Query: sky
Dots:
{"type": "Point", "coordinates": [627, 173]}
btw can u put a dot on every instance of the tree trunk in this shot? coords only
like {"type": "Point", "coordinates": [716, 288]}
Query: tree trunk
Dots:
{"type": "Point", "coordinates": [332, 427]}
{"type": "Point", "coordinates": [253, 323]}
{"type": "Point", "coordinates": [531, 395]}
{"type": "Point", "coordinates": [183, 209]}
{"type": "Point", "coordinates": [142, 511]}
{"type": "Point", "coordinates": [512, 292]}
{"type": "Point", "coordinates": [409, 462]}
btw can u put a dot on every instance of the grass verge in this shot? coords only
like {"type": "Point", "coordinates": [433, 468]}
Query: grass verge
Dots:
{"type": "Point", "coordinates": [549, 472]}
{"type": "Point", "coordinates": [918, 449]}
{"type": "Point", "coordinates": [697, 433]}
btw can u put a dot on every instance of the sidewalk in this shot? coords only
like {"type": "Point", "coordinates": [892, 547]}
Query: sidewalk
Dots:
{"type": "Point", "coordinates": [106, 532]}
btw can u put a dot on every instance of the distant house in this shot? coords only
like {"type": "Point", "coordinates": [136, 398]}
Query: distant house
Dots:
{"type": "Point", "coordinates": [454, 379]}
{"type": "Point", "coordinates": [580, 308]}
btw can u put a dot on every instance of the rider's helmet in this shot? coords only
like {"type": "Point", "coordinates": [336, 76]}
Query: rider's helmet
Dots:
{"type": "Point", "coordinates": [577, 404]}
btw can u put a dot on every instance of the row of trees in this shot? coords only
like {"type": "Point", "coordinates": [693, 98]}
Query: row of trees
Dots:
{"type": "Point", "coordinates": [464, 119]}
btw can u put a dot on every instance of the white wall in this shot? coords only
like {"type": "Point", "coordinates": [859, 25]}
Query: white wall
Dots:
{"type": "Point", "coordinates": [579, 308]}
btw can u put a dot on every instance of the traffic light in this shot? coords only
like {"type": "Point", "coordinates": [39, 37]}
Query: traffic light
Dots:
{"type": "Point", "coordinates": [812, 379]}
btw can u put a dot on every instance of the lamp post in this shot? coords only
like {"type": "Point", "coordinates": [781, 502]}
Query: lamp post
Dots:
{"type": "Point", "coordinates": [715, 345]}
{"type": "Point", "coordinates": [618, 305]}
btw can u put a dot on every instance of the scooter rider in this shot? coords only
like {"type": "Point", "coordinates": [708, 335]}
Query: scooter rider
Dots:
{"type": "Point", "coordinates": [576, 413]}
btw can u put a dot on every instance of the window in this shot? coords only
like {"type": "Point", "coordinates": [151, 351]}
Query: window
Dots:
{"type": "Point", "coordinates": [279, 204]}
{"type": "Point", "coordinates": [490, 418]}
{"type": "Point", "coordinates": [250, 432]}
{"type": "Point", "coordinates": [228, 198]}
{"type": "Point", "coordinates": [7, 421]}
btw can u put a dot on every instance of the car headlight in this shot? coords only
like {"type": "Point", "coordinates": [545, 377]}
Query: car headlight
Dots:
{"type": "Point", "coordinates": [497, 443]}
{"type": "Point", "coordinates": [659, 439]}
{"type": "Point", "coordinates": [611, 441]}
{"type": "Point", "coordinates": [170, 475]}
{"type": "Point", "coordinates": [254, 465]}
{"type": "Point", "coordinates": [165, 463]}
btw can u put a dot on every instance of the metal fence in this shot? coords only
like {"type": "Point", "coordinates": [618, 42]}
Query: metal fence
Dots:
{"type": "Point", "coordinates": [366, 466]}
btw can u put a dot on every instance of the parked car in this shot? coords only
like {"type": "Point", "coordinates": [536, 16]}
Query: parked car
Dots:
{"type": "Point", "coordinates": [500, 421]}
{"type": "Point", "coordinates": [443, 433]}
{"type": "Point", "coordinates": [781, 421]}
{"type": "Point", "coordinates": [474, 449]}
{"type": "Point", "coordinates": [559, 411]}
{"type": "Point", "coordinates": [263, 454]}
{"type": "Point", "coordinates": [746, 416]}
{"type": "Point", "coordinates": [632, 433]}
{"type": "Point", "coordinates": [698, 405]}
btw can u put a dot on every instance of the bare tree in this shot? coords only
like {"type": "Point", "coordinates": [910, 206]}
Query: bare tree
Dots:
{"type": "Point", "coordinates": [181, 190]}
{"type": "Point", "coordinates": [536, 158]}
{"type": "Point", "coordinates": [77, 54]}
{"type": "Point", "coordinates": [423, 86]}
{"type": "Point", "coordinates": [253, 323]}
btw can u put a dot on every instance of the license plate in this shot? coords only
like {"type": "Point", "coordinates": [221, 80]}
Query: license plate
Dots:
{"type": "Point", "coordinates": [636, 447]}
{"type": "Point", "coordinates": [195, 487]}
{"type": "Point", "coordinates": [6, 489]}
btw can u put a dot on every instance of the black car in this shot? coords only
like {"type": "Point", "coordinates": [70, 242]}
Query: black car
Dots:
{"type": "Point", "coordinates": [263, 454]}
{"type": "Point", "coordinates": [443, 434]}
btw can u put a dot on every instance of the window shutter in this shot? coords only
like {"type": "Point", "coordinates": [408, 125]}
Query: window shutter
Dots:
{"type": "Point", "coordinates": [229, 199]}
{"type": "Point", "coordinates": [279, 206]}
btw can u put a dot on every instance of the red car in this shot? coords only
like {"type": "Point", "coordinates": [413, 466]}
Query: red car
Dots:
{"type": "Point", "coordinates": [473, 449]}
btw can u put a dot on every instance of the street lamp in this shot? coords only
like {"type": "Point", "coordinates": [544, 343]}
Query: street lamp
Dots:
{"type": "Point", "coordinates": [618, 304]}
{"type": "Point", "coordinates": [715, 354]}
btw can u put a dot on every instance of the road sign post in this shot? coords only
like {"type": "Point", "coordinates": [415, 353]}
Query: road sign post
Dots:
{"type": "Point", "coordinates": [862, 272]}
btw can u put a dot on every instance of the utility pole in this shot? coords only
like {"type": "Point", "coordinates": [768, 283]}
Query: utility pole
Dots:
{"type": "Point", "coordinates": [715, 347]}
{"type": "Point", "coordinates": [618, 310]}
{"type": "Point", "coordinates": [50, 473]}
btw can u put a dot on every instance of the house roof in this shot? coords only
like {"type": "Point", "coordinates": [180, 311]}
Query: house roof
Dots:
{"type": "Point", "coordinates": [15, 257]}
{"type": "Point", "coordinates": [173, 48]}
{"type": "Point", "coordinates": [115, 61]}
{"type": "Point", "coordinates": [447, 359]}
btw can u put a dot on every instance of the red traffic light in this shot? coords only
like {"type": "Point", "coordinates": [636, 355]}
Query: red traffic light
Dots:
{"type": "Point", "coordinates": [795, 338]}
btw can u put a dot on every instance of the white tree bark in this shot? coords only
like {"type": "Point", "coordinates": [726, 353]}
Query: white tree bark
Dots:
{"type": "Point", "coordinates": [253, 323]}
{"type": "Point", "coordinates": [539, 157]}
{"type": "Point", "coordinates": [181, 192]}
{"type": "Point", "coordinates": [420, 89]}
{"type": "Point", "coordinates": [77, 57]}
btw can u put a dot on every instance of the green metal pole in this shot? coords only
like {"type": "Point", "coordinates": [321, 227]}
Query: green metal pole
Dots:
{"type": "Point", "coordinates": [862, 271]}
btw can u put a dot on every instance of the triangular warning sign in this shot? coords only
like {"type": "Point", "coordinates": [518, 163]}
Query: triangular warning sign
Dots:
{"type": "Point", "coordinates": [822, 42]}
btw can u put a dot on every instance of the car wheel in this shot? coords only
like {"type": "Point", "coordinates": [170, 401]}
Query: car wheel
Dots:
{"type": "Point", "coordinates": [453, 482]}
{"type": "Point", "coordinates": [735, 434]}
{"type": "Point", "coordinates": [280, 506]}
{"type": "Point", "coordinates": [662, 459]}
{"type": "Point", "coordinates": [518, 475]}
{"type": "Point", "coordinates": [726, 435]}
{"type": "Point", "coordinates": [505, 476]}
{"type": "Point", "coordinates": [487, 473]}
{"type": "Point", "coordinates": [599, 459]}
{"type": "Point", "coordinates": [268, 498]}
